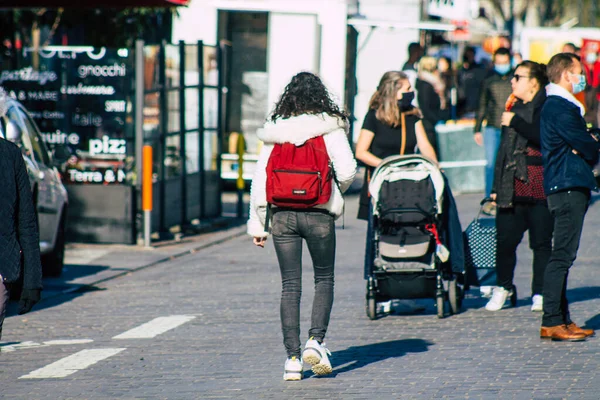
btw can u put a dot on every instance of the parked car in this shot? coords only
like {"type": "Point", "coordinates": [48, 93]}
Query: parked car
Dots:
{"type": "Point", "coordinates": [49, 193]}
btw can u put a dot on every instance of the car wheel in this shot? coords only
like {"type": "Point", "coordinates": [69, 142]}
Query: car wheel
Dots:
{"type": "Point", "coordinates": [53, 263]}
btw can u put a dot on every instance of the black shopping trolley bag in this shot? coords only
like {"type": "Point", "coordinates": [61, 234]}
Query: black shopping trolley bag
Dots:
{"type": "Point", "coordinates": [480, 250]}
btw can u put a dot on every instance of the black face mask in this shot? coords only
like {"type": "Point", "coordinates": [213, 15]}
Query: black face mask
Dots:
{"type": "Point", "coordinates": [405, 103]}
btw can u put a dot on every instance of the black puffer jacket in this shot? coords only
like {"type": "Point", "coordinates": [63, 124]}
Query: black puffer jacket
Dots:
{"type": "Point", "coordinates": [512, 161]}
{"type": "Point", "coordinates": [494, 92]}
{"type": "Point", "coordinates": [18, 223]}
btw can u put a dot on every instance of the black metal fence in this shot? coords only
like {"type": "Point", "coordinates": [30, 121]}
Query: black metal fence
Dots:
{"type": "Point", "coordinates": [181, 120]}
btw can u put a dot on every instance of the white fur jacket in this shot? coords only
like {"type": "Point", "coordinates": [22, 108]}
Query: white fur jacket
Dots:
{"type": "Point", "coordinates": [298, 130]}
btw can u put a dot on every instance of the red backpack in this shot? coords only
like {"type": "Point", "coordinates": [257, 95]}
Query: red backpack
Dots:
{"type": "Point", "coordinates": [299, 176]}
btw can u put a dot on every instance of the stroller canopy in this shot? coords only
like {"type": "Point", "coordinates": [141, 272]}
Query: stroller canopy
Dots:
{"type": "Point", "coordinates": [414, 168]}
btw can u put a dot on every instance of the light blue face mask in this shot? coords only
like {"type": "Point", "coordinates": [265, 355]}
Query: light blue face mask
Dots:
{"type": "Point", "coordinates": [502, 69]}
{"type": "Point", "coordinates": [579, 86]}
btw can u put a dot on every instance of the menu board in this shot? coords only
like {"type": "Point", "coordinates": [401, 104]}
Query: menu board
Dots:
{"type": "Point", "coordinates": [80, 99]}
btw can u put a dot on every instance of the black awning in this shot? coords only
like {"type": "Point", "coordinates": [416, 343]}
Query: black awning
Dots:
{"type": "Point", "coordinates": [91, 3]}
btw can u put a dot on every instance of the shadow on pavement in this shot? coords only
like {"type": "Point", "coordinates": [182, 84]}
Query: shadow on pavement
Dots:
{"type": "Point", "coordinates": [65, 284]}
{"type": "Point", "coordinates": [360, 356]}
{"type": "Point", "coordinates": [583, 293]}
{"type": "Point", "coordinates": [593, 323]}
{"type": "Point", "coordinates": [53, 301]}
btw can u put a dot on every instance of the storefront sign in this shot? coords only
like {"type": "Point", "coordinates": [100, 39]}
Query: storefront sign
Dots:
{"type": "Point", "coordinates": [450, 9]}
{"type": "Point", "coordinates": [103, 176]}
{"type": "Point", "coordinates": [78, 97]}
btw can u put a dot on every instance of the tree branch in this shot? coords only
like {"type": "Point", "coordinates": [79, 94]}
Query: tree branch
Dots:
{"type": "Point", "coordinates": [497, 4]}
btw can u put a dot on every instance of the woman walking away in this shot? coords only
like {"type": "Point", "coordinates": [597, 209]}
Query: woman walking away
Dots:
{"type": "Point", "coordinates": [304, 122]}
{"type": "Point", "coordinates": [518, 187]}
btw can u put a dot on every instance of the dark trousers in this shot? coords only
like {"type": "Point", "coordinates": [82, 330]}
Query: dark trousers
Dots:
{"type": "Point", "coordinates": [568, 209]}
{"type": "Point", "coordinates": [318, 230]}
{"type": "Point", "coordinates": [511, 224]}
{"type": "Point", "coordinates": [4, 295]}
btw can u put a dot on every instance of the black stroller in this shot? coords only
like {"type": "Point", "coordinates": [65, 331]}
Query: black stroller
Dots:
{"type": "Point", "coordinates": [405, 258]}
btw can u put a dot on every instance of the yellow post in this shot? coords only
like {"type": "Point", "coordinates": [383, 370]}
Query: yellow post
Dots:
{"type": "Point", "coordinates": [241, 149]}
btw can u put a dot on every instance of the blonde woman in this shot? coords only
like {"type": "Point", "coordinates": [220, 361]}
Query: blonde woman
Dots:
{"type": "Point", "coordinates": [430, 96]}
{"type": "Point", "coordinates": [392, 126]}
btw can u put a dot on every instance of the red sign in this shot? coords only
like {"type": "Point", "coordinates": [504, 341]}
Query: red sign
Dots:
{"type": "Point", "coordinates": [461, 31]}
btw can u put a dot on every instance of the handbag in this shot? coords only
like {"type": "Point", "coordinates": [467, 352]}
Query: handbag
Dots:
{"type": "Point", "coordinates": [480, 249]}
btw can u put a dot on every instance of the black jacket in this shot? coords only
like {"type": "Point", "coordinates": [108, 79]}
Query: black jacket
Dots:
{"type": "Point", "coordinates": [469, 82]}
{"type": "Point", "coordinates": [429, 104]}
{"type": "Point", "coordinates": [494, 92]}
{"type": "Point", "coordinates": [511, 161]}
{"type": "Point", "coordinates": [18, 223]}
{"type": "Point", "coordinates": [563, 130]}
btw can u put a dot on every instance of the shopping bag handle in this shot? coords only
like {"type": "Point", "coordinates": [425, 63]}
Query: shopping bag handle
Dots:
{"type": "Point", "coordinates": [482, 203]}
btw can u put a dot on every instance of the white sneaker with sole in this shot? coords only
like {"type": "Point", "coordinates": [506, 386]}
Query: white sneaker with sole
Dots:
{"type": "Point", "coordinates": [316, 354]}
{"type": "Point", "coordinates": [499, 297]}
{"type": "Point", "coordinates": [538, 303]}
{"type": "Point", "coordinates": [486, 291]}
{"type": "Point", "coordinates": [292, 370]}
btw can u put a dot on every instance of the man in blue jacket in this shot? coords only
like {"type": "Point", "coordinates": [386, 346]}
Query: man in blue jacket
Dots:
{"type": "Point", "coordinates": [568, 152]}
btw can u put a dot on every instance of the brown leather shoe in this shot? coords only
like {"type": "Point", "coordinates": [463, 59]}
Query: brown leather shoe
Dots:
{"type": "Point", "coordinates": [575, 329]}
{"type": "Point", "coordinates": [561, 333]}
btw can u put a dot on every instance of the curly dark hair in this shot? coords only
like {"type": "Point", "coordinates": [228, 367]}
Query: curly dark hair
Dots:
{"type": "Point", "coordinates": [306, 94]}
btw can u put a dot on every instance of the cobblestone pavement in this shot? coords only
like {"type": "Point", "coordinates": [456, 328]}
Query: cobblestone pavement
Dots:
{"type": "Point", "coordinates": [221, 337]}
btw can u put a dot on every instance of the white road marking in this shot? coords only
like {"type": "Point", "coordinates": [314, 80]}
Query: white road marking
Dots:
{"type": "Point", "coordinates": [66, 342]}
{"type": "Point", "coordinates": [7, 348]}
{"type": "Point", "coordinates": [71, 364]}
{"type": "Point", "coordinates": [155, 327]}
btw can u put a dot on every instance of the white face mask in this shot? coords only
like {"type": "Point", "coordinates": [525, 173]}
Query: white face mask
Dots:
{"type": "Point", "coordinates": [591, 58]}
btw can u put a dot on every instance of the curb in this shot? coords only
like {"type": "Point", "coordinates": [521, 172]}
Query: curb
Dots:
{"type": "Point", "coordinates": [236, 232]}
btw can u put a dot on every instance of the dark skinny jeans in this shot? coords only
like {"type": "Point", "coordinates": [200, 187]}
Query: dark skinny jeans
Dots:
{"type": "Point", "coordinates": [569, 209]}
{"type": "Point", "coordinates": [511, 224]}
{"type": "Point", "coordinates": [318, 230]}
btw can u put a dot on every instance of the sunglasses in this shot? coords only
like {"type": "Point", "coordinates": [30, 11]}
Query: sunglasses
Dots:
{"type": "Point", "coordinates": [517, 77]}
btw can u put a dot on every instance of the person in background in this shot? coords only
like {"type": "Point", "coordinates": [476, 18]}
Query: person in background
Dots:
{"type": "Point", "coordinates": [448, 76]}
{"type": "Point", "coordinates": [517, 59]}
{"type": "Point", "coordinates": [391, 127]}
{"type": "Point", "coordinates": [568, 153]}
{"type": "Point", "coordinates": [431, 97]}
{"type": "Point", "coordinates": [469, 79]}
{"type": "Point", "coordinates": [494, 92]}
{"type": "Point", "coordinates": [415, 52]}
{"type": "Point", "coordinates": [305, 111]}
{"type": "Point", "coordinates": [570, 48]}
{"type": "Point", "coordinates": [381, 133]}
{"type": "Point", "coordinates": [20, 246]}
{"type": "Point", "coordinates": [518, 187]}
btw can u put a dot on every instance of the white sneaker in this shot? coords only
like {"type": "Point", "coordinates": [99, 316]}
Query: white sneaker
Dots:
{"type": "Point", "coordinates": [316, 354]}
{"type": "Point", "coordinates": [538, 303]}
{"type": "Point", "coordinates": [486, 291]}
{"type": "Point", "coordinates": [499, 297]}
{"type": "Point", "coordinates": [386, 307]}
{"type": "Point", "coordinates": [292, 371]}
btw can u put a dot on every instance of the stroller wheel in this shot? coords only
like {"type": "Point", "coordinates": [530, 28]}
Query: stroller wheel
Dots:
{"type": "Point", "coordinates": [454, 297]}
{"type": "Point", "coordinates": [440, 303]}
{"type": "Point", "coordinates": [371, 300]}
{"type": "Point", "coordinates": [371, 308]}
